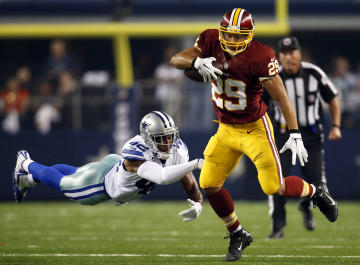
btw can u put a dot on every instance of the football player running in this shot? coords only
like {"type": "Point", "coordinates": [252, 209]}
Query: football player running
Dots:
{"type": "Point", "coordinates": [155, 157]}
{"type": "Point", "coordinates": [244, 126]}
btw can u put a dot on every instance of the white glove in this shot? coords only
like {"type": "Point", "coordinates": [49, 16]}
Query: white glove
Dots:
{"type": "Point", "coordinates": [206, 69]}
{"type": "Point", "coordinates": [200, 163]}
{"type": "Point", "coordinates": [295, 144]}
{"type": "Point", "coordinates": [193, 212]}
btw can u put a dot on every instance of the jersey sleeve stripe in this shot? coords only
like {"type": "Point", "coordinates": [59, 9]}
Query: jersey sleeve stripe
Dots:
{"type": "Point", "coordinates": [132, 152]}
{"type": "Point", "coordinates": [134, 158]}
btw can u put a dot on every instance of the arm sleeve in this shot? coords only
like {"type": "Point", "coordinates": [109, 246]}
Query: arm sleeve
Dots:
{"type": "Point", "coordinates": [165, 175]}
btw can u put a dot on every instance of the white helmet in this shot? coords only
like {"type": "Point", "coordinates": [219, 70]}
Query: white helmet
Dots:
{"type": "Point", "coordinates": [156, 125]}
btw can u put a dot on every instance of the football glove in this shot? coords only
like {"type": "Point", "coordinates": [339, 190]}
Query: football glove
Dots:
{"type": "Point", "coordinates": [193, 212]}
{"type": "Point", "coordinates": [200, 163]}
{"type": "Point", "coordinates": [206, 69]}
{"type": "Point", "coordinates": [296, 145]}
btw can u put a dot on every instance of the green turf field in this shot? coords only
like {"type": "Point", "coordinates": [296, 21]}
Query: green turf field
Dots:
{"type": "Point", "coordinates": [153, 233]}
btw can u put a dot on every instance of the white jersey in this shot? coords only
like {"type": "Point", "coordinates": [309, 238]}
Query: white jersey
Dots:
{"type": "Point", "coordinates": [124, 186]}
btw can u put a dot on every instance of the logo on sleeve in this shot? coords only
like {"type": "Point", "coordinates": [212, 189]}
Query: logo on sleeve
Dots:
{"type": "Point", "coordinates": [273, 66]}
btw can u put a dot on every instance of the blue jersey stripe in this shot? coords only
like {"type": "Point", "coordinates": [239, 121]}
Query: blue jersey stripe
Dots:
{"type": "Point", "coordinates": [84, 188]}
{"type": "Point", "coordinates": [132, 152]}
{"type": "Point", "coordinates": [134, 158]}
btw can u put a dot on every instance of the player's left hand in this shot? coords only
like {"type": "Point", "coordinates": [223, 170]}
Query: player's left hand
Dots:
{"type": "Point", "coordinates": [193, 212]}
{"type": "Point", "coordinates": [296, 145]}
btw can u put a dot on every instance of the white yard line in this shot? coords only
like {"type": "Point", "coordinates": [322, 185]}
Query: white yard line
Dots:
{"type": "Point", "coordinates": [168, 255]}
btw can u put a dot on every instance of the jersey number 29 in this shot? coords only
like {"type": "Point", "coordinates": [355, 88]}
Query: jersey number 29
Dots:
{"type": "Point", "coordinates": [229, 94]}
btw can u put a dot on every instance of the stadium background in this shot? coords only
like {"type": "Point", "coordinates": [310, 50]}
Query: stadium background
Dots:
{"type": "Point", "coordinates": [118, 44]}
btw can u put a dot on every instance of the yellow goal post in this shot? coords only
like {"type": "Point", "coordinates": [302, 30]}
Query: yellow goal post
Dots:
{"type": "Point", "coordinates": [120, 32]}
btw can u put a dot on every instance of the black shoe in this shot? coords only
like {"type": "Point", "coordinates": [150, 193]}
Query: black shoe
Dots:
{"type": "Point", "coordinates": [327, 205]}
{"type": "Point", "coordinates": [238, 242]}
{"type": "Point", "coordinates": [308, 218]}
{"type": "Point", "coordinates": [276, 234]}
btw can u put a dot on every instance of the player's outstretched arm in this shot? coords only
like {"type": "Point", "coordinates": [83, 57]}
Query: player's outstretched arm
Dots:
{"type": "Point", "coordinates": [275, 87]}
{"type": "Point", "coordinates": [167, 175]}
{"type": "Point", "coordinates": [191, 187]}
{"type": "Point", "coordinates": [195, 198]}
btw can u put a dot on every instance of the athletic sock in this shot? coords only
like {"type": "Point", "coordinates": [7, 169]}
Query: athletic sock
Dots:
{"type": "Point", "coordinates": [65, 169]}
{"type": "Point", "coordinates": [46, 175]}
{"type": "Point", "coordinates": [26, 163]}
{"type": "Point", "coordinates": [296, 187]}
{"type": "Point", "coordinates": [223, 206]}
{"type": "Point", "coordinates": [31, 180]}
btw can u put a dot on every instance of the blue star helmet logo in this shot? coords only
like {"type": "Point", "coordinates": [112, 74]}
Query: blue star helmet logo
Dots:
{"type": "Point", "coordinates": [144, 125]}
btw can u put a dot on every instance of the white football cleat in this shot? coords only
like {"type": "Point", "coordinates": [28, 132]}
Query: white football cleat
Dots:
{"type": "Point", "coordinates": [21, 185]}
{"type": "Point", "coordinates": [20, 176]}
{"type": "Point", "coordinates": [21, 157]}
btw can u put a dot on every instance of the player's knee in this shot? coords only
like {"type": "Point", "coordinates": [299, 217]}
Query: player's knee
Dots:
{"type": "Point", "coordinates": [270, 189]}
{"type": "Point", "coordinates": [211, 190]}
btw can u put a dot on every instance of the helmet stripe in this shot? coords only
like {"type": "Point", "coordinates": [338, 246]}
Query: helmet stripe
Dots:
{"type": "Point", "coordinates": [232, 16]}
{"type": "Point", "coordinates": [236, 17]}
{"type": "Point", "coordinates": [240, 17]}
{"type": "Point", "coordinates": [157, 113]}
{"type": "Point", "coordinates": [167, 117]}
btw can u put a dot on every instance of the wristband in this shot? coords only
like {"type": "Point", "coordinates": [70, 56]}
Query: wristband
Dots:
{"type": "Point", "coordinates": [193, 62]}
{"type": "Point", "coordinates": [335, 125]}
{"type": "Point", "coordinates": [294, 131]}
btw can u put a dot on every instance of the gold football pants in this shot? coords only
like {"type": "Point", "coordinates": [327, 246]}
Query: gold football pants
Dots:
{"type": "Point", "coordinates": [226, 147]}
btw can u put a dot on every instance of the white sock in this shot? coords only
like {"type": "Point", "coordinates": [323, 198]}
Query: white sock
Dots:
{"type": "Point", "coordinates": [31, 180]}
{"type": "Point", "coordinates": [314, 190]}
{"type": "Point", "coordinates": [26, 164]}
{"type": "Point", "coordinates": [237, 229]}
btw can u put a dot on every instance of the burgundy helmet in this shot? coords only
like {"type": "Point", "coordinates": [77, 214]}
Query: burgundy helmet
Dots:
{"type": "Point", "coordinates": [236, 30]}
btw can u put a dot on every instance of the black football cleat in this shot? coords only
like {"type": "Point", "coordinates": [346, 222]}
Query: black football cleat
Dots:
{"type": "Point", "coordinates": [308, 218]}
{"type": "Point", "coordinates": [326, 204]}
{"type": "Point", "coordinates": [276, 234]}
{"type": "Point", "coordinates": [238, 242]}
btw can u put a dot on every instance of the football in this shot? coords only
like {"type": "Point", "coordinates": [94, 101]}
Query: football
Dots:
{"type": "Point", "coordinates": [194, 75]}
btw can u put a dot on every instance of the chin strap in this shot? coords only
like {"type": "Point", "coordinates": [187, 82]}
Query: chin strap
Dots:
{"type": "Point", "coordinates": [163, 156]}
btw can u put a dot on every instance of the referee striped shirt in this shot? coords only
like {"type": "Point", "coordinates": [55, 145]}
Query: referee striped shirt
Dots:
{"type": "Point", "coordinates": [304, 91]}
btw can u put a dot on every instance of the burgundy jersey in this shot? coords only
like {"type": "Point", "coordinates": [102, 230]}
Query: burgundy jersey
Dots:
{"type": "Point", "coordinates": [237, 94]}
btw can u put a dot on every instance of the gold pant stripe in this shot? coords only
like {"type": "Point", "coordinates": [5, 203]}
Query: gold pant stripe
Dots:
{"type": "Point", "coordinates": [273, 147]}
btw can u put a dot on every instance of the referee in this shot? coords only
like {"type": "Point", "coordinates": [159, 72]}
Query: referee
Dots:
{"type": "Point", "coordinates": [306, 84]}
